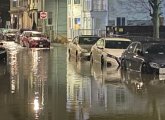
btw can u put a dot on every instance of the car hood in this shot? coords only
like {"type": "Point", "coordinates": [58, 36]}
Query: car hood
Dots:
{"type": "Point", "coordinates": [39, 38]}
{"type": "Point", "coordinates": [114, 52]}
{"type": "Point", "coordinates": [12, 34]}
{"type": "Point", "coordinates": [156, 58]}
{"type": "Point", "coordinates": [87, 47]}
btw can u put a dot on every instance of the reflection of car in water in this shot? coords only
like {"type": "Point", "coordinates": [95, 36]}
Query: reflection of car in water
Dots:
{"type": "Point", "coordinates": [102, 74]}
{"type": "Point", "coordinates": [138, 82]}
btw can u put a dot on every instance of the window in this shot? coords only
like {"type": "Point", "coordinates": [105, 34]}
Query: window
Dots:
{"type": "Point", "coordinates": [132, 47]}
{"type": "Point", "coordinates": [15, 3]}
{"type": "Point", "coordinates": [87, 5]}
{"type": "Point", "coordinates": [69, 1]}
{"type": "Point", "coordinates": [120, 21]}
{"type": "Point", "coordinates": [50, 18]}
{"type": "Point", "coordinates": [76, 1]}
{"type": "Point", "coordinates": [77, 23]}
{"type": "Point", "coordinates": [100, 43]}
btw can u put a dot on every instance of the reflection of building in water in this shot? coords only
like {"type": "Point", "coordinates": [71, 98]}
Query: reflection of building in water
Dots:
{"type": "Point", "coordinates": [78, 90]}
{"type": "Point", "coordinates": [37, 82]}
{"type": "Point", "coordinates": [13, 67]}
{"type": "Point", "coordinates": [57, 84]}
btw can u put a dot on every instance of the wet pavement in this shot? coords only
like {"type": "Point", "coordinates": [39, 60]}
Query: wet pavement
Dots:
{"type": "Point", "coordinates": [43, 84]}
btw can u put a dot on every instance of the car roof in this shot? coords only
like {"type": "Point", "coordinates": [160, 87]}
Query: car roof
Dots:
{"type": "Point", "coordinates": [88, 36]}
{"type": "Point", "coordinates": [31, 32]}
{"type": "Point", "coordinates": [116, 39]}
{"type": "Point", "coordinates": [151, 41]}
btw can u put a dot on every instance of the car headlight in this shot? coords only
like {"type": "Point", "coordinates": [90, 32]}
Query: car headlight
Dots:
{"type": "Point", "coordinates": [154, 65]}
{"type": "Point", "coordinates": [84, 50]}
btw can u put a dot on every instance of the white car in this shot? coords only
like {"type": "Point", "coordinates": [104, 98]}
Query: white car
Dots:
{"type": "Point", "coordinates": [107, 51]}
{"type": "Point", "coordinates": [81, 45]}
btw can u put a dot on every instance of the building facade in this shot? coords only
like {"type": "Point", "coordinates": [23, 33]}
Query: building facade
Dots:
{"type": "Point", "coordinates": [70, 18]}
{"type": "Point", "coordinates": [85, 16]}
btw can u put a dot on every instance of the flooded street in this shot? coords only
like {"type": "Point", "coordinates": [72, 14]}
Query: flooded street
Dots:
{"type": "Point", "coordinates": [43, 84]}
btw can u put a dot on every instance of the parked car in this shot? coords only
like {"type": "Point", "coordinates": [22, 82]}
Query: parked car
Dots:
{"type": "Point", "coordinates": [9, 35]}
{"type": "Point", "coordinates": [24, 37]}
{"type": "Point", "coordinates": [19, 34]}
{"type": "Point", "coordinates": [81, 45]}
{"type": "Point", "coordinates": [107, 51]}
{"type": "Point", "coordinates": [3, 52]}
{"type": "Point", "coordinates": [145, 57]}
{"type": "Point", "coordinates": [34, 39]}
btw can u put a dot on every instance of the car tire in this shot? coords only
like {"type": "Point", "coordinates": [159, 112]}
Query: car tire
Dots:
{"type": "Point", "coordinates": [123, 64]}
{"type": "Point", "coordinates": [77, 56]}
{"type": "Point", "coordinates": [91, 59]}
{"type": "Point", "coordinates": [144, 68]}
{"type": "Point", "coordinates": [102, 61]}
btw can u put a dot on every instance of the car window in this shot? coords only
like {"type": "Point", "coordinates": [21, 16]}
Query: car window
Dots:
{"type": "Point", "coordinates": [131, 47]}
{"type": "Point", "coordinates": [36, 35]}
{"type": "Point", "coordinates": [100, 43]}
{"type": "Point", "coordinates": [88, 40]}
{"type": "Point", "coordinates": [115, 44]}
{"type": "Point", "coordinates": [75, 40]}
{"type": "Point", "coordinates": [138, 47]}
{"type": "Point", "coordinates": [156, 49]}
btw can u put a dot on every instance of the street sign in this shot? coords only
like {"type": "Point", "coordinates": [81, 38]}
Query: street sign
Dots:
{"type": "Point", "coordinates": [43, 15]}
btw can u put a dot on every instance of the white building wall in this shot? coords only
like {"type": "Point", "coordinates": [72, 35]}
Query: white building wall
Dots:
{"type": "Point", "coordinates": [87, 17]}
{"type": "Point", "coordinates": [134, 11]}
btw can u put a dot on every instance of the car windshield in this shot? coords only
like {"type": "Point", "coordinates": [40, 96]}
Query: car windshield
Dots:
{"type": "Point", "coordinates": [116, 44]}
{"type": "Point", "coordinates": [158, 49]}
{"type": "Point", "coordinates": [88, 40]}
{"type": "Point", "coordinates": [36, 35]}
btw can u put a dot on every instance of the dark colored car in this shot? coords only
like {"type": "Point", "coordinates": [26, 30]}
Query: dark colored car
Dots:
{"type": "Point", "coordinates": [3, 52]}
{"type": "Point", "coordinates": [9, 35]}
{"type": "Point", "coordinates": [145, 57]}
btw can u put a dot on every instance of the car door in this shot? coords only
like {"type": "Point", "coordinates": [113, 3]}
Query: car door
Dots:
{"type": "Point", "coordinates": [129, 54]}
{"type": "Point", "coordinates": [100, 48]}
{"type": "Point", "coordinates": [95, 50]}
{"type": "Point", "coordinates": [73, 46]}
{"type": "Point", "coordinates": [137, 58]}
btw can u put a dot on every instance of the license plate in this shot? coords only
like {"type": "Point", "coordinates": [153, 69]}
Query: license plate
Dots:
{"type": "Point", "coordinates": [162, 71]}
{"type": "Point", "coordinates": [161, 77]}
{"type": "Point", "coordinates": [40, 45]}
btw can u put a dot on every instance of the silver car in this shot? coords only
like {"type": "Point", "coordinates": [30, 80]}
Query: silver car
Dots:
{"type": "Point", "coordinates": [80, 46]}
{"type": "Point", "coordinates": [107, 51]}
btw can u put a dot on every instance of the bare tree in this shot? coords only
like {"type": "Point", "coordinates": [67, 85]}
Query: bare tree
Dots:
{"type": "Point", "coordinates": [152, 7]}
{"type": "Point", "coordinates": [155, 15]}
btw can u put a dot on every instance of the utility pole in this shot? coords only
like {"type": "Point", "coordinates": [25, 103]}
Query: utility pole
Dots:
{"type": "Point", "coordinates": [43, 20]}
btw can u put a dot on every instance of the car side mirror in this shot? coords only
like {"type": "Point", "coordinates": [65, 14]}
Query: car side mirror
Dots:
{"type": "Point", "coordinates": [100, 47]}
{"type": "Point", "coordinates": [139, 52]}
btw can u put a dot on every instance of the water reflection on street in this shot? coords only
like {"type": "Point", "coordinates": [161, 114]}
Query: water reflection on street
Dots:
{"type": "Point", "coordinates": [45, 84]}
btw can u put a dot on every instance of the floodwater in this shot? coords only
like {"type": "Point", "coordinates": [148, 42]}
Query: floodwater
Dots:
{"type": "Point", "coordinates": [43, 84]}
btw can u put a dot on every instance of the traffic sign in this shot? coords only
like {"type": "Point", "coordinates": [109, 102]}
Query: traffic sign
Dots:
{"type": "Point", "coordinates": [43, 15]}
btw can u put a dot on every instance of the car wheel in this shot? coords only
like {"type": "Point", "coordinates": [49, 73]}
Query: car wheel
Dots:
{"type": "Point", "coordinates": [102, 61]}
{"type": "Point", "coordinates": [123, 64]}
{"type": "Point", "coordinates": [91, 59]}
{"type": "Point", "coordinates": [145, 68]}
{"type": "Point", "coordinates": [77, 56]}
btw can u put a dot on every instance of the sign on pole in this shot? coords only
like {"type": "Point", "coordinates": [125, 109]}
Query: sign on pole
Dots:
{"type": "Point", "coordinates": [43, 15]}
